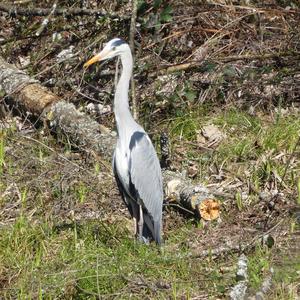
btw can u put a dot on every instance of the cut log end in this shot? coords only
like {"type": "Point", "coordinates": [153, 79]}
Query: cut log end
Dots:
{"type": "Point", "coordinates": [209, 209]}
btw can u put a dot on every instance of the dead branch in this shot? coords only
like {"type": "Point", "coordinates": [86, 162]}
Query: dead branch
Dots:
{"type": "Point", "coordinates": [292, 54]}
{"type": "Point", "coordinates": [181, 190]}
{"type": "Point", "coordinates": [83, 132]}
{"type": "Point", "coordinates": [220, 251]}
{"type": "Point", "coordinates": [78, 128]}
{"type": "Point", "coordinates": [194, 64]}
{"type": "Point", "coordinates": [256, 9]}
{"type": "Point", "coordinates": [236, 247]}
{"type": "Point", "coordinates": [174, 68]}
{"type": "Point", "coordinates": [238, 291]}
{"type": "Point", "coordinates": [46, 20]}
{"type": "Point", "coordinates": [26, 91]}
{"type": "Point", "coordinates": [15, 11]}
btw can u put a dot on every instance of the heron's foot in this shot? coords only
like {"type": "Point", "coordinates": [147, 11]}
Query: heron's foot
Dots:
{"type": "Point", "coordinates": [140, 222]}
{"type": "Point", "coordinates": [143, 240]}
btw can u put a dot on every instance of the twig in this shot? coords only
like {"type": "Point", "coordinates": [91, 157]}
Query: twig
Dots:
{"type": "Point", "coordinates": [213, 39]}
{"type": "Point", "coordinates": [46, 20]}
{"type": "Point", "coordinates": [131, 43]}
{"type": "Point", "coordinates": [257, 9]}
{"type": "Point", "coordinates": [15, 11]}
{"type": "Point", "coordinates": [217, 252]}
{"type": "Point", "coordinates": [288, 163]}
{"type": "Point", "coordinates": [258, 56]}
{"type": "Point", "coordinates": [180, 207]}
{"type": "Point", "coordinates": [235, 247]}
{"type": "Point", "coordinates": [197, 29]}
{"type": "Point", "coordinates": [174, 68]}
{"type": "Point", "coordinates": [70, 26]}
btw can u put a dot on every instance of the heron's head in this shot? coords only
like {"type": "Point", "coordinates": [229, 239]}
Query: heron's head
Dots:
{"type": "Point", "coordinates": [113, 48]}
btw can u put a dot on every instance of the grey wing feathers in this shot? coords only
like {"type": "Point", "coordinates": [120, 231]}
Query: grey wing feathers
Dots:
{"type": "Point", "coordinates": [120, 185]}
{"type": "Point", "coordinates": [145, 175]}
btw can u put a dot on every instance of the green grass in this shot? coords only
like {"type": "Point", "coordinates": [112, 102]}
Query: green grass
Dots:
{"type": "Point", "coordinates": [236, 121]}
{"type": "Point", "coordinates": [249, 137]}
{"type": "Point", "coordinates": [258, 267]}
{"type": "Point", "coordinates": [185, 122]}
{"type": "Point", "coordinates": [48, 255]}
{"type": "Point", "coordinates": [84, 260]}
{"type": "Point", "coordinates": [286, 279]}
{"type": "Point", "coordinates": [264, 143]}
{"type": "Point", "coordinates": [298, 191]}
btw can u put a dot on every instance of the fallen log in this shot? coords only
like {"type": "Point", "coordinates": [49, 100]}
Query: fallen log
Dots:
{"type": "Point", "coordinates": [62, 117]}
{"type": "Point", "coordinates": [89, 136]}
{"type": "Point", "coordinates": [238, 291]}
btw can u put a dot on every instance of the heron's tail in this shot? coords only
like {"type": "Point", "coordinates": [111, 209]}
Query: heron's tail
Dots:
{"type": "Point", "coordinates": [157, 234]}
{"type": "Point", "coordinates": [151, 229]}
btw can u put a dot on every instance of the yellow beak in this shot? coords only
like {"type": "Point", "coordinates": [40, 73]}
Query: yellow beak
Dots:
{"type": "Point", "coordinates": [93, 60]}
{"type": "Point", "coordinates": [98, 57]}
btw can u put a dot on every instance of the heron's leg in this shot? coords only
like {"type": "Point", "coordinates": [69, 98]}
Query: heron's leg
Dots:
{"type": "Point", "coordinates": [135, 216]}
{"type": "Point", "coordinates": [141, 222]}
{"type": "Point", "coordinates": [135, 226]}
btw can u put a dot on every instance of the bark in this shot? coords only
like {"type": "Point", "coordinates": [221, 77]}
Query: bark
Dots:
{"type": "Point", "coordinates": [80, 129]}
{"type": "Point", "coordinates": [180, 189]}
{"type": "Point", "coordinates": [238, 291]}
{"type": "Point", "coordinates": [83, 132]}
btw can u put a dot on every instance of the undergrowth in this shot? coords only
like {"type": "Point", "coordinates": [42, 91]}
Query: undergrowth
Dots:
{"type": "Point", "coordinates": [44, 255]}
{"type": "Point", "coordinates": [64, 232]}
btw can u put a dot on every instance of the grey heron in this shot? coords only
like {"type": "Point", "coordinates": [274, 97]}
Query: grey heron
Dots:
{"type": "Point", "coordinates": [135, 164]}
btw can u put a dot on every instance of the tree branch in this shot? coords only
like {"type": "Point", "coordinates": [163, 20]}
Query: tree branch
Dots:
{"type": "Point", "coordinates": [238, 291]}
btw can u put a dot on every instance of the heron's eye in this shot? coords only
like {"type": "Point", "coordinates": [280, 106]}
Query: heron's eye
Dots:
{"type": "Point", "coordinates": [114, 48]}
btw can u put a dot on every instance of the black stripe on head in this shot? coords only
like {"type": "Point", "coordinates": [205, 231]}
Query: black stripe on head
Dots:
{"type": "Point", "coordinates": [117, 43]}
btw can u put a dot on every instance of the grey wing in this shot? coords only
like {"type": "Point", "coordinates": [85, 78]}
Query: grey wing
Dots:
{"type": "Point", "coordinates": [145, 176]}
{"type": "Point", "coordinates": [120, 186]}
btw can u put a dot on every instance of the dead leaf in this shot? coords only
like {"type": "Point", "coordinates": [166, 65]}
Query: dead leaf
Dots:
{"type": "Point", "coordinates": [210, 135]}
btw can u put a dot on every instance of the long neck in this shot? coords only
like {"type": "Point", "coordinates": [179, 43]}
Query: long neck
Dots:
{"type": "Point", "coordinates": [121, 105]}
